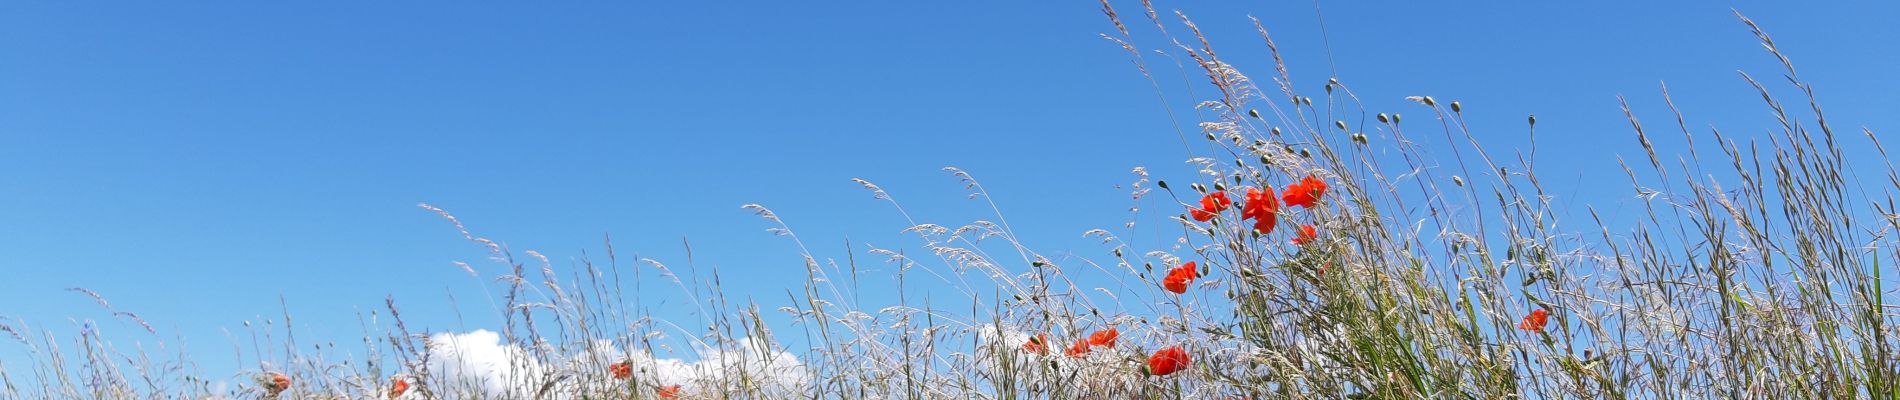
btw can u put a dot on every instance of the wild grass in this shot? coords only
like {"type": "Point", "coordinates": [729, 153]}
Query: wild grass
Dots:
{"type": "Point", "coordinates": [1754, 271]}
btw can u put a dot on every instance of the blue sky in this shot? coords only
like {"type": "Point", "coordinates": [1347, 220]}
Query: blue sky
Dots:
{"type": "Point", "coordinates": [195, 163]}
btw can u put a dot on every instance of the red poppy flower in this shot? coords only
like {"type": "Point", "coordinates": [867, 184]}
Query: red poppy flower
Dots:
{"type": "Point", "coordinates": [1168, 361]}
{"type": "Point", "coordinates": [1535, 322]}
{"type": "Point", "coordinates": [1306, 193]}
{"type": "Point", "coordinates": [1211, 204]}
{"type": "Point", "coordinates": [1077, 350]}
{"type": "Point", "coordinates": [1307, 234]}
{"type": "Point", "coordinates": [1179, 277]}
{"type": "Point", "coordinates": [397, 386]}
{"type": "Point", "coordinates": [669, 392]}
{"type": "Point", "coordinates": [621, 370]}
{"type": "Point", "coordinates": [275, 383]}
{"type": "Point", "coordinates": [1104, 338]}
{"type": "Point", "coordinates": [1035, 344]}
{"type": "Point", "coordinates": [1263, 208]}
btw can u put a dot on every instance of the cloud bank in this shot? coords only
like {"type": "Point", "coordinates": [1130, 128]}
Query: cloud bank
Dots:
{"type": "Point", "coordinates": [481, 362]}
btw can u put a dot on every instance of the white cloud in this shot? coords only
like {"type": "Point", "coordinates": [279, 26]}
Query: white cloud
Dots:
{"type": "Point", "coordinates": [479, 361]}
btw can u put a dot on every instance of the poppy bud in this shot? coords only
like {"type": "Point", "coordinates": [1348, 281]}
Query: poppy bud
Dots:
{"type": "Point", "coordinates": [1457, 180]}
{"type": "Point", "coordinates": [1306, 154]}
{"type": "Point", "coordinates": [1383, 119]}
{"type": "Point", "coordinates": [1455, 107]}
{"type": "Point", "coordinates": [1429, 102]}
{"type": "Point", "coordinates": [1218, 187]}
{"type": "Point", "coordinates": [1162, 184]}
{"type": "Point", "coordinates": [1263, 160]}
{"type": "Point", "coordinates": [1253, 113]}
{"type": "Point", "coordinates": [1533, 119]}
{"type": "Point", "coordinates": [1395, 118]}
{"type": "Point", "coordinates": [1359, 138]}
{"type": "Point", "coordinates": [1210, 136]}
{"type": "Point", "coordinates": [1329, 88]}
{"type": "Point", "coordinates": [1340, 124]}
{"type": "Point", "coordinates": [1276, 131]}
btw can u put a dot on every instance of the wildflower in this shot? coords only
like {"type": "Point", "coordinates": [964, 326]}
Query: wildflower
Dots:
{"type": "Point", "coordinates": [1262, 208]}
{"type": "Point", "coordinates": [669, 392]}
{"type": "Point", "coordinates": [1035, 344]}
{"type": "Point", "coordinates": [1167, 361]}
{"type": "Point", "coordinates": [1536, 321]}
{"type": "Point", "coordinates": [1211, 204]}
{"type": "Point", "coordinates": [1104, 338]}
{"type": "Point", "coordinates": [1077, 350]}
{"type": "Point", "coordinates": [274, 383]}
{"type": "Point", "coordinates": [621, 370]}
{"type": "Point", "coordinates": [1306, 193]}
{"type": "Point", "coordinates": [1307, 234]}
{"type": "Point", "coordinates": [397, 386]}
{"type": "Point", "coordinates": [1179, 277]}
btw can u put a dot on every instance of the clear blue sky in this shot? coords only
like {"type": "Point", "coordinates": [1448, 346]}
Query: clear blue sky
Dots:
{"type": "Point", "coordinates": [195, 162]}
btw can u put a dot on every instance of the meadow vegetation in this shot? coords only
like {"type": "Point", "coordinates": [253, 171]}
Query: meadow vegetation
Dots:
{"type": "Point", "coordinates": [1322, 253]}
